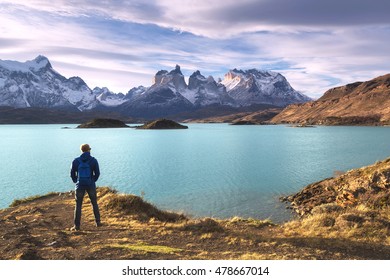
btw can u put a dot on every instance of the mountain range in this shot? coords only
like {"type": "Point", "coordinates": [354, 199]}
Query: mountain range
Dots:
{"type": "Point", "coordinates": [359, 103]}
{"type": "Point", "coordinates": [35, 84]}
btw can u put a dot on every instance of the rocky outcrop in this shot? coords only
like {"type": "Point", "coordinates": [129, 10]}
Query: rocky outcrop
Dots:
{"type": "Point", "coordinates": [103, 123]}
{"type": "Point", "coordinates": [162, 124]}
{"type": "Point", "coordinates": [360, 103]}
{"type": "Point", "coordinates": [369, 184]}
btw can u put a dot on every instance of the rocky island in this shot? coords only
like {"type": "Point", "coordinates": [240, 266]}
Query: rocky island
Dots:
{"type": "Point", "coordinates": [346, 217]}
{"type": "Point", "coordinates": [103, 123]}
{"type": "Point", "coordinates": [243, 122]}
{"type": "Point", "coordinates": [162, 124]}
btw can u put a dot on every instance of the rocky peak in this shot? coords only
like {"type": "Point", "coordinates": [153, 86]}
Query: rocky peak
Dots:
{"type": "Point", "coordinates": [196, 80]}
{"type": "Point", "coordinates": [176, 71]}
{"type": "Point", "coordinates": [239, 71]}
{"type": "Point", "coordinates": [174, 78]}
{"type": "Point", "coordinates": [196, 74]}
{"type": "Point", "coordinates": [161, 72]}
{"type": "Point", "coordinates": [135, 92]}
{"type": "Point", "coordinates": [41, 59]}
{"type": "Point", "coordinates": [78, 81]}
{"type": "Point", "coordinates": [39, 63]}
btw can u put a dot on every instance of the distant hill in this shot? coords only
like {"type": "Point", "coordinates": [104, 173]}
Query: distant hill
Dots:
{"type": "Point", "coordinates": [31, 115]}
{"type": "Point", "coordinates": [360, 103]}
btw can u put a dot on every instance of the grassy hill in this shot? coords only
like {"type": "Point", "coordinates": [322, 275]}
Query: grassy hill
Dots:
{"type": "Point", "coordinates": [360, 103]}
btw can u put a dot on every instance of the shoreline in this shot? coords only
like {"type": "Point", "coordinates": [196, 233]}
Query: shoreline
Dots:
{"type": "Point", "coordinates": [351, 224]}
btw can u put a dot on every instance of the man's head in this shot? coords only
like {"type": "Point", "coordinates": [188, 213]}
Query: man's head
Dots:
{"type": "Point", "coordinates": [85, 148]}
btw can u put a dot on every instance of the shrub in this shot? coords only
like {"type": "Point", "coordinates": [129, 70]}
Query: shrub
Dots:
{"type": "Point", "coordinates": [204, 226]}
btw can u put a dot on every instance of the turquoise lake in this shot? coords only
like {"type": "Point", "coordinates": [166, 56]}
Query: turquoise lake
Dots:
{"type": "Point", "coordinates": [214, 170]}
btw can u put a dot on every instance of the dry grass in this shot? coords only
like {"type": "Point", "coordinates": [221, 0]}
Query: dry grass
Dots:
{"type": "Point", "coordinates": [135, 229]}
{"type": "Point", "coordinates": [207, 225]}
{"type": "Point", "coordinates": [128, 204]}
{"type": "Point", "coordinates": [251, 222]}
{"type": "Point", "coordinates": [145, 248]}
{"type": "Point", "coordinates": [17, 202]}
{"type": "Point", "coordinates": [360, 223]}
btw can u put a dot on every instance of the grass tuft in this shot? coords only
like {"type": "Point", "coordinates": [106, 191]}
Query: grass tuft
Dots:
{"type": "Point", "coordinates": [252, 222]}
{"type": "Point", "coordinates": [18, 202]}
{"type": "Point", "coordinates": [207, 225]}
{"type": "Point", "coordinates": [134, 205]}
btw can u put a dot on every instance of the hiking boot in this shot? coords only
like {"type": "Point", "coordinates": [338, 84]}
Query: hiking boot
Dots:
{"type": "Point", "coordinates": [74, 228]}
{"type": "Point", "coordinates": [99, 224]}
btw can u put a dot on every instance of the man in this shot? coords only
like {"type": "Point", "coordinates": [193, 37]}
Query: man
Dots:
{"type": "Point", "coordinates": [84, 173]}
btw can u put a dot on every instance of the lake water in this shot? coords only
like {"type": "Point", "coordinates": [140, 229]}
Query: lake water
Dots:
{"type": "Point", "coordinates": [214, 170]}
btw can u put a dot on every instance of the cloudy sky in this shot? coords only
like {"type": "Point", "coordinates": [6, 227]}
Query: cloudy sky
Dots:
{"type": "Point", "coordinates": [121, 44]}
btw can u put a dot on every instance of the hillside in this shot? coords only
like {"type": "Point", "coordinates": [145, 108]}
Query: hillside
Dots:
{"type": "Point", "coordinates": [346, 217]}
{"type": "Point", "coordinates": [360, 103]}
{"type": "Point", "coordinates": [257, 117]}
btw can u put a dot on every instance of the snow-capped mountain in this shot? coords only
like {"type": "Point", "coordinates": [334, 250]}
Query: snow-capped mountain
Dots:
{"type": "Point", "coordinates": [135, 91]}
{"type": "Point", "coordinates": [162, 98]}
{"type": "Point", "coordinates": [108, 98]}
{"type": "Point", "coordinates": [204, 91]}
{"type": "Point", "coordinates": [260, 87]}
{"type": "Point", "coordinates": [35, 83]}
{"type": "Point", "coordinates": [170, 94]}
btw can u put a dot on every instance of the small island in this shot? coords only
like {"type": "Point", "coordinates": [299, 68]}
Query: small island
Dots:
{"type": "Point", "coordinates": [103, 123]}
{"type": "Point", "coordinates": [162, 124]}
{"type": "Point", "coordinates": [243, 122]}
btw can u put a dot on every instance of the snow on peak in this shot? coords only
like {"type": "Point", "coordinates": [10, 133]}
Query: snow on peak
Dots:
{"type": "Point", "coordinates": [235, 77]}
{"type": "Point", "coordinates": [40, 59]}
{"type": "Point", "coordinates": [40, 62]}
{"type": "Point", "coordinates": [198, 75]}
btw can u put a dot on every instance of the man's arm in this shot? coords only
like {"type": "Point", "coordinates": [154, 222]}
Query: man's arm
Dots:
{"type": "Point", "coordinates": [73, 171]}
{"type": "Point", "coordinates": [96, 171]}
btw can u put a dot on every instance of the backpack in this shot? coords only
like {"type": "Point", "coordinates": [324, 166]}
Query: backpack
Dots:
{"type": "Point", "coordinates": [84, 174]}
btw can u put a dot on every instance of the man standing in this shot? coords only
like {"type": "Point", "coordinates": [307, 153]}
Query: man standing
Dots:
{"type": "Point", "coordinates": [84, 173]}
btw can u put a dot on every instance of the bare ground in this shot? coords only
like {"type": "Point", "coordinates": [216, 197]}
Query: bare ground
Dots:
{"type": "Point", "coordinates": [40, 229]}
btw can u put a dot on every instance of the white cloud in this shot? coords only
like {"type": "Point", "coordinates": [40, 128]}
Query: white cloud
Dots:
{"type": "Point", "coordinates": [119, 44]}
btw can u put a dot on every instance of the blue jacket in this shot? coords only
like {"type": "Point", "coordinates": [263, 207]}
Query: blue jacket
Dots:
{"type": "Point", "coordinates": [95, 172]}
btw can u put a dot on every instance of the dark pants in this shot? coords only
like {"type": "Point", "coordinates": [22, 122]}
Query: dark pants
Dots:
{"type": "Point", "coordinates": [80, 192]}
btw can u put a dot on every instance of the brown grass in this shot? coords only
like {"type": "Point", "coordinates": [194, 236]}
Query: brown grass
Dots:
{"type": "Point", "coordinates": [206, 225]}
{"type": "Point", "coordinates": [17, 202]}
{"type": "Point", "coordinates": [359, 223]}
{"type": "Point", "coordinates": [128, 204]}
{"type": "Point", "coordinates": [39, 229]}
